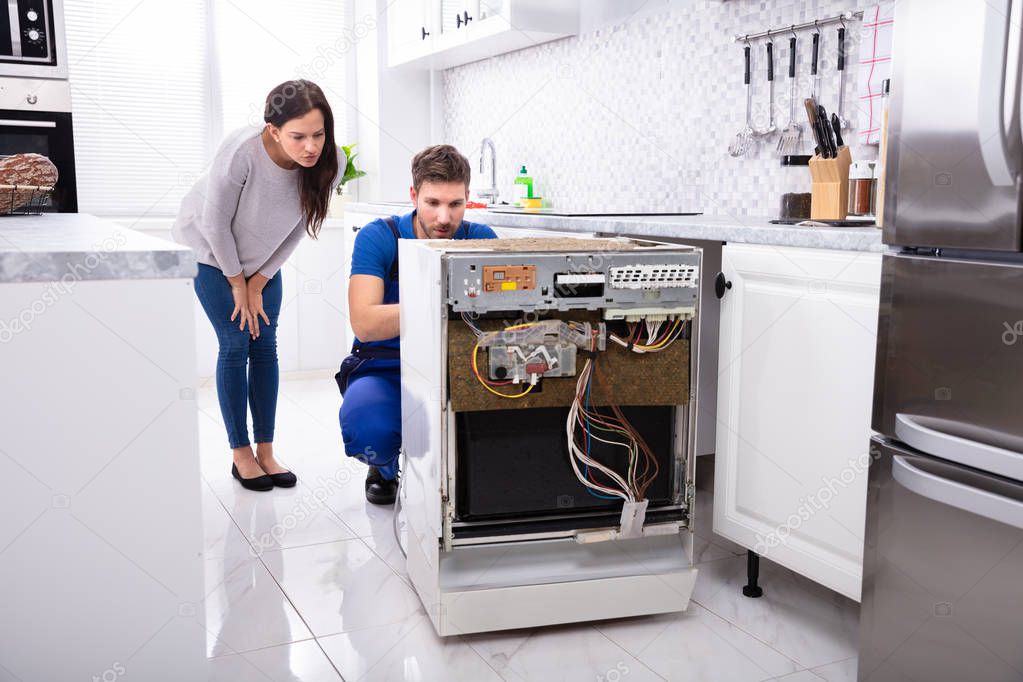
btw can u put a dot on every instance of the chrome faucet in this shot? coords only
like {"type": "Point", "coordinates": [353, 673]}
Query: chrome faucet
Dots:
{"type": "Point", "coordinates": [489, 194]}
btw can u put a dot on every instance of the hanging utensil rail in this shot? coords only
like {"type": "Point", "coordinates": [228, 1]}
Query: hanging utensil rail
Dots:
{"type": "Point", "coordinates": [816, 23]}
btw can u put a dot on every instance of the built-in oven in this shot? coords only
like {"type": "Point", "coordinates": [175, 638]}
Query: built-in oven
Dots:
{"type": "Point", "coordinates": [32, 39]}
{"type": "Point", "coordinates": [48, 133]}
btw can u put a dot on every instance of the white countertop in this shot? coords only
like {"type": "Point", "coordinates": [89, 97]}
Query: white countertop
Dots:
{"type": "Point", "coordinates": [79, 246]}
{"type": "Point", "coordinates": [747, 230]}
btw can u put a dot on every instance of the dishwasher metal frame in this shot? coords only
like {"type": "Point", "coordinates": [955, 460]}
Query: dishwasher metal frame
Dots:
{"type": "Point", "coordinates": [531, 579]}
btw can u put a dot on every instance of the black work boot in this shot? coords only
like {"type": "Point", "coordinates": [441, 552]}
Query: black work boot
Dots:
{"type": "Point", "coordinates": [378, 489]}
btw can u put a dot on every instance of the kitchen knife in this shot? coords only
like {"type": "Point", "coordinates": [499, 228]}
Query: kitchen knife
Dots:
{"type": "Point", "coordinates": [811, 117]}
{"type": "Point", "coordinates": [829, 139]}
{"type": "Point", "coordinates": [822, 137]}
{"type": "Point", "coordinates": [836, 125]}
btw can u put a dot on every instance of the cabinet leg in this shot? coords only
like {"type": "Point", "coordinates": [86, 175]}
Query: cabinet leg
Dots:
{"type": "Point", "coordinates": [751, 589]}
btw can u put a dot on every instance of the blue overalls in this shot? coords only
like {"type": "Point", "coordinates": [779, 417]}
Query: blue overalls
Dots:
{"type": "Point", "coordinates": [370, 413]}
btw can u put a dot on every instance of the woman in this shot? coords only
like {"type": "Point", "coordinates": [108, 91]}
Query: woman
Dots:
{"type": "Point", "coordinates": [264, 190]}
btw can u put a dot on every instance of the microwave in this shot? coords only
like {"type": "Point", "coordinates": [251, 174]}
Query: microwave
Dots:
{"type": "Point", "coordinates": [32, 39]}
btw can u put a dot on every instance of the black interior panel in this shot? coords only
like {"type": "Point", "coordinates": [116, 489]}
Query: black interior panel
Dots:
{"type": "Point", "coordinates": [515, 462]}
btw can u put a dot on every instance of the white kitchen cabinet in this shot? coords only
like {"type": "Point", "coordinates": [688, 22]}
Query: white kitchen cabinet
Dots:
{"type": "Point", "coordinates": [439, 34]}
{"type": "Point", "coordinates": [102, 531]}
{"type": "Point", "coordinates": [319, 286]}
{"type": "Point", "coordinates": [795, 382]}
{"type": "Point", "coordinates": [411, 30]}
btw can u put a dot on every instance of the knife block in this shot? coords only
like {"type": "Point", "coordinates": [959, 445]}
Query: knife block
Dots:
{"type": "Point", "coordinates": [829, 186]}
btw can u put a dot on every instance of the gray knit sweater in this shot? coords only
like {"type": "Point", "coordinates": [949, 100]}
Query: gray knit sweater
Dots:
{"type": "Point", "coordinates": [244, 214]}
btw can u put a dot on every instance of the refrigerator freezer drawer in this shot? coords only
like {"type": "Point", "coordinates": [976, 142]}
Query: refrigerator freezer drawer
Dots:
{"type": "Point", "coordinates": [955, 155]}
{"type": "Point", "coordinates": [942, 598]}
{"type": "Point", "coordinates": [950, 360]}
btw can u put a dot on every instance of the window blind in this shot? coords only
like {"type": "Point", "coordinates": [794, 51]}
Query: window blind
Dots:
{"type": "Point", "coordinates": [156, 85]}
{"type": "Point", "coordinates": [138, 97]}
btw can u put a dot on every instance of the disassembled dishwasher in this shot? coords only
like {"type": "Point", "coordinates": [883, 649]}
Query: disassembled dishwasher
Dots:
{"type": "Point", "coordinates": [547, 409]}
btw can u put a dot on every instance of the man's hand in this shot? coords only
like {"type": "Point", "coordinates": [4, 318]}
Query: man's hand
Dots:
{"type": "Point", "coordinates": [254, 295]}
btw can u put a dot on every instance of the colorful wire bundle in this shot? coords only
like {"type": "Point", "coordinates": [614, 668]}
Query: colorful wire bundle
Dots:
{"type": "Point", "coordinates": [614, 430]}
{"type": "Point", "coordinates": [656, 338]}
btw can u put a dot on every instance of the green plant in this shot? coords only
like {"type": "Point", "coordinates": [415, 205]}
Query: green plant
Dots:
{"type": "Point", "coordinates": [351, 172]}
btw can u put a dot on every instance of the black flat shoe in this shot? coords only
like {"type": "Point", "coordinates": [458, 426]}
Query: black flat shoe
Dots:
{"type": "Point", "coordinates": [378, 489]}
{"type": "Point", "coordinates": [263, 482]}
{"type": "Point", "coordinates": [284, 480]}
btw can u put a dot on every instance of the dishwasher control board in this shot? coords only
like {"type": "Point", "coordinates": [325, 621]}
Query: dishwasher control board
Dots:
{"type": "Point", "coordinates": [664, 277]}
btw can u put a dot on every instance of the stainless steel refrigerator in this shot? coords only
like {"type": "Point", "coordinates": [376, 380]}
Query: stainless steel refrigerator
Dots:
{"type": "Point", "coordinates": [943, 562]}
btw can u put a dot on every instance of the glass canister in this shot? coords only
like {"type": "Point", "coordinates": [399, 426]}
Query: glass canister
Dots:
{"type": "Point", "coordinates": [795, 205]}
{"type": "Point", "coordinates": [862, 189]}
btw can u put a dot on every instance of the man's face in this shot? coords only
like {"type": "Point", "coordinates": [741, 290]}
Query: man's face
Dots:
{"type": "Point", "coordinates": [439, 207]}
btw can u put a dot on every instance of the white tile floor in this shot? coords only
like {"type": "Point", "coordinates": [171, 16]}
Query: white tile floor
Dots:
{"type": "Point", "coordinates": [308, 584]}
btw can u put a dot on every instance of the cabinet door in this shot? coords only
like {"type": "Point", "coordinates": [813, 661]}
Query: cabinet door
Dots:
{"type": "Point", "coordinates": [407, 21]}
{"type": "Point", "coordinates": [452, 15]}
{"type": "Point", "coordinates": [795, 383]}
{"type": "Point", "coordinates": [322, 311]}
{"type": "Point", "coordinates": [489, 17]}
{"type": "Point", "coordinates": [452, 19]}
{"type": "Point", "coordinates": [488, 9]}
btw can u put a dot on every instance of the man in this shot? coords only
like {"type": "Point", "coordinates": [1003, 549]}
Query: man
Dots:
{"type": "Point", "coordinates": [370, 377]}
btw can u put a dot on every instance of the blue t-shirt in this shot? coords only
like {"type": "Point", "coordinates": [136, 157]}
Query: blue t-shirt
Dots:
{"type": "Point", "coordinates": [376, 249]}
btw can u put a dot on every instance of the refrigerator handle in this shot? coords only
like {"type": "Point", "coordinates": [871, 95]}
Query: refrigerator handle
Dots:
{"type": "Point", "coordinates": [1000, 144]}
{"type": "Point", "coordinates": [981, 456]}
{"type": "Point", "coordinates": [959, 495]}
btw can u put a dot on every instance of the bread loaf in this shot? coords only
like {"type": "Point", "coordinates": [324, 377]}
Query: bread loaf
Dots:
{"type": "Point", "coordinates": [24, 169]}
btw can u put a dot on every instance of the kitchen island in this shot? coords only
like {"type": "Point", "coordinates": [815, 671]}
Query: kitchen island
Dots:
{"type": "Point", "coordinates": [101, 572]}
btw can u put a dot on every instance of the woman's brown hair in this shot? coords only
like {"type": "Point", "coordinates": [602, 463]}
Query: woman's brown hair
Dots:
{"type": "Point", "coordinates": [292, 99]}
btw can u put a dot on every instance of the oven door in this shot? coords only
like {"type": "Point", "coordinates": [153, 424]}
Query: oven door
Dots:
{"type": "Point", "coordinates": [49, 134]}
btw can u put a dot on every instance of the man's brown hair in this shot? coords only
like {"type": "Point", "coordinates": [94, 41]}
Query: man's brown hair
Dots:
{"type": "Point", "coordinates": [440, 163]}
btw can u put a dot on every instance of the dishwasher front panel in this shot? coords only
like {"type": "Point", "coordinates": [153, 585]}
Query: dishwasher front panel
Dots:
{"type": "Point", "coordinates": [943, 571]}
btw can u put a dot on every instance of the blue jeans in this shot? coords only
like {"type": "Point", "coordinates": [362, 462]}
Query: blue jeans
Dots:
{"type": "Point", "coordinates": [370, 416]}
{"type": "Point", "coordinates": [238, 349]}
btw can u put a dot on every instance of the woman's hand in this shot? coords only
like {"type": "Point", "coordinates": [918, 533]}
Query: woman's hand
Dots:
{"type": "Point", "coordinates": [255, 303]}
{"type": "Point", "coordinates": [240, 293]}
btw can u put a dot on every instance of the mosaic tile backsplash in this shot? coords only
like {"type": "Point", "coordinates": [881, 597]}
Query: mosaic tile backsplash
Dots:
{"type": "Point", "coordinates": [638, 116]}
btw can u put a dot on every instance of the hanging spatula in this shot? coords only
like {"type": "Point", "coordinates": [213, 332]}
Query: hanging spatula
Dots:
{"type": "Point", "coordinates": [744, 138]}
{"type": "Point", "coordinates": [792, 135]}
